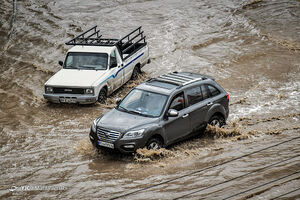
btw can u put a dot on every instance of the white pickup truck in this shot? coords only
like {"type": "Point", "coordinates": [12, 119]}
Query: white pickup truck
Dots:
{"type": "Point", "coordinates": [97, 66]}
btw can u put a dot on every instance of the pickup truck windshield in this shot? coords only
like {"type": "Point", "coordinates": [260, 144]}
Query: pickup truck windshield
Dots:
{"type": "Point", "coordinates": [143, 103]}
{"type": "Point", "coordinates": [81, 60]}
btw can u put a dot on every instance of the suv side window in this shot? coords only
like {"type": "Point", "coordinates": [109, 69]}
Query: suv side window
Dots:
{"type": "Point", "coordinates": [177, 102]}
{"type": "Point", "coordinates": [194, 95]}
{"type": "Point", "coordinates": [213, 91]}
{"type": "Point", "coordinates": [205, 92]}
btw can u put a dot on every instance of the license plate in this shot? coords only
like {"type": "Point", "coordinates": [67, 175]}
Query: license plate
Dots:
{"type": "Point", "coordinates": [66, 100]}
{"type": "Point", "coordinates": [106, 144]}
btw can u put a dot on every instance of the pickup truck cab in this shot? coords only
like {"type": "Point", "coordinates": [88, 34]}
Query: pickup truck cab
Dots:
{"type": "Point", "coordinates": [95, 67]}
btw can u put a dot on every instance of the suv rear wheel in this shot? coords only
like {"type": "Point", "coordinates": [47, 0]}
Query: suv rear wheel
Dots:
{"type": "Point", "coordinates": [154, 143]}
{"type": "Point", "coordinates": [217, 120]}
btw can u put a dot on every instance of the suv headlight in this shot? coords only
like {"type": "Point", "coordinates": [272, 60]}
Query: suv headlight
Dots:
{"type": "Point", "coordinates": [89, 91]}
{"type": "Point", "coordinates": [94, 125]}
{"type": "Point", "coordinates": [48, 89]}
{"type": "Point", "coordinates": [134, 134]}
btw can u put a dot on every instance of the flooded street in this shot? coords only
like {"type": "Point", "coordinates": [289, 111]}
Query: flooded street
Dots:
{"type": "Point", "coordinates": [252, 48]}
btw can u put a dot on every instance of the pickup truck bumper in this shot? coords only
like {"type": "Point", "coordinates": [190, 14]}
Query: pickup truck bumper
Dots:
{"type": "Point", "coordinates": [70, 98]}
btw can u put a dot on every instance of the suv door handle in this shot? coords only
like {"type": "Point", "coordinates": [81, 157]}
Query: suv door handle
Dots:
{"type": "Point", "coordinates": [209, 103]}
{"type": "Point", "coordinates": [185, 115]}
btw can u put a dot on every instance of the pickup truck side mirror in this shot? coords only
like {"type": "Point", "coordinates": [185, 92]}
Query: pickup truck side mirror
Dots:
{"type": "Point", "coordinates": [113, 65]}
{"type": "Point", "coordinates": [172, 113]}
{"type": "Point", "coordinates": [61, 63]}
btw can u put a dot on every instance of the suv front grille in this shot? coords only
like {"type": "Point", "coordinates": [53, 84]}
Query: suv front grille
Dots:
{"type": "Point", "coordinates": [68, 90]}
{"type": "Point", "coordinates": [107, 135]}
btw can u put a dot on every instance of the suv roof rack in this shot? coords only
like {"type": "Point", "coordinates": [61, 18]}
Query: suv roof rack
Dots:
{"type": "Point", "coordinates": [179, 78]}
{"type": "Point", "coordinates": [92, 37]}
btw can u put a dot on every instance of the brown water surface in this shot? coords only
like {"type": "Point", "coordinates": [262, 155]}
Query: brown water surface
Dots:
{"type": "Point", "coordinates": [252, 48]}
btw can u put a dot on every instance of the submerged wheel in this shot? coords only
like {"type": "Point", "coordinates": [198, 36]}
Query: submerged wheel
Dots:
{"type": "Point", "coordinates": [102, 95]}
{"type": "Point", "coordinates": [154, 143]}
{"type": "Point", "coordinates": [217, 120]}
{"type": "Point", "coordinates": [135, 73]}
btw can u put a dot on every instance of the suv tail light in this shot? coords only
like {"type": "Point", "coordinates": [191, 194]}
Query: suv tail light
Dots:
{"type": "Point", "coordinates": [227, 96]}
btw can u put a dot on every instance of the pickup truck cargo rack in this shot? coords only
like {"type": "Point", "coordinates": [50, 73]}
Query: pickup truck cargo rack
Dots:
{"type": "Point", "coordinates": [127, 45]}
{"type": "Point", "coordinates": [179, 78]}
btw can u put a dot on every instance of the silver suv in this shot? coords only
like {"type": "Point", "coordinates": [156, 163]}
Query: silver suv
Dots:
{"type": "Point", "coordinates": [162, 111]}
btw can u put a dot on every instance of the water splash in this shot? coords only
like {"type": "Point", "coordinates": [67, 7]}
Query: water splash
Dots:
{"type": "Point", "coordinates": [84, 147]}
{"type": "Point", "coordinates": [149, 155]}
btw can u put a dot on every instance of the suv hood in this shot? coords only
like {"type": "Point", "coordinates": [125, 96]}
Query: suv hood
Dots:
{"type": "Point", "coordinates": [75, 77]}
{"type": "Point", "coordinates": [123, 121]}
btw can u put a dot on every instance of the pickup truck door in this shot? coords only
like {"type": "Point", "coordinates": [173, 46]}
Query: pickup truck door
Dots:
{"type": "Point", "coordinates": [129, 66]}
{"type": "Point", "coordinates": [115, 64]}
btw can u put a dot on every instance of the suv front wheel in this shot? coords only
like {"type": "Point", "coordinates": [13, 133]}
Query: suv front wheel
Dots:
{"type": "Point", "coordinates": [154, 143]}
{"type": "Point", "coordinates": [217, 120]}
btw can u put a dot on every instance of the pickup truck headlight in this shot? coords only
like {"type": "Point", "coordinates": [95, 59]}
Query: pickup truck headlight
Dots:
{"type": "Point", "coordinates": [134, 134]}
{"type": "Point", "coordinates": [89, 91]}
{"type": "Point", "coordinates": [48, 89]}
{"type": "Point", "coordinates": [94, 125]}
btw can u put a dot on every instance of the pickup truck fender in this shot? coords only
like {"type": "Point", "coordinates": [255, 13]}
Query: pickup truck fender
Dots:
{"type": "Point", "coordinates": [98, 89]}
{"type": "Point", "coordinates": [215, 109]}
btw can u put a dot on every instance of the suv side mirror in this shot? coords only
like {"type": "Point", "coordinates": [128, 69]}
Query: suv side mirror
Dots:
{"type": "Point", "coordinates": [172, 113]}
{"type": "Point", "coordinates": [118, 101]}
{"type": "Point", "coordinates": [61, 63]}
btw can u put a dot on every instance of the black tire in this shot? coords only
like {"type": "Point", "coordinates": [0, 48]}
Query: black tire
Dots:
{"type": "Point", "coordinates": [217, 120]}
{"type": "Point", "coordinates": [102, 96]}
{"type": "Point", "coordinates": [154, 143]}
{"type": "Point", "coordinates": [135, 73]}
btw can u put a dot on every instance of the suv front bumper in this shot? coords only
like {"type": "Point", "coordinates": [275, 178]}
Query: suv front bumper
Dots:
{"type": "Point", "coordinates": [123, 146]}
{"type": "Point", "coordinates": [70, 98]}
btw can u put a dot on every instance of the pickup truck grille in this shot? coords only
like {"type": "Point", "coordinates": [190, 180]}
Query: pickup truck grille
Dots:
{"type": "Point", "coordinates": [68, 90]}
{"type": "Point", "coordinates": [107, 135]}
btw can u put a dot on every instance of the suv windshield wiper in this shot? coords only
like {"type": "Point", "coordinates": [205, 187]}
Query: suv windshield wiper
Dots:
{"type": "Point", "coordinates": [133, 112]}
{"type": "Point", "coordinates": [123, 108]}
{"type": "Point", "coordinates": [70, 67]}
{"type": "Point", "coordinates": [139, 113]}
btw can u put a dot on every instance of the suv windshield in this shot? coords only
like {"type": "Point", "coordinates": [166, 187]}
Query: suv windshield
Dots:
{"type": "Point", "coordinates": [78, 60]}
{"type": "Point", "coordinates": [143, 103]}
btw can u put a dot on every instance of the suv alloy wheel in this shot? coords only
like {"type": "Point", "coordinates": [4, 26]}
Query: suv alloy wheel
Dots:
{"type": "Point", "coordinates": [217, 121]}
{"type": "Point", "coordinates": [154, 143]}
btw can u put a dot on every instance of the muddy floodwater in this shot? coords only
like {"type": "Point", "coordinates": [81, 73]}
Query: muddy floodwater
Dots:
{"type": "Point", "coordinates": [252, 48]}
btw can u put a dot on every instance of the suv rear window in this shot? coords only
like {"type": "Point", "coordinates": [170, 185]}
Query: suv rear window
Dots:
{"type": "Point", "coordinates": [194, 95]}
{"type": "Point", "coordinates": [213, 91]}
{"type": "Point", "coordinates": [205, 92]}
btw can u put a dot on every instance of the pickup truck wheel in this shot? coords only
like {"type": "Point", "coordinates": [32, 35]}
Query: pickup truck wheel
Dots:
{"type": "Point", "coordinates": [135, 73]}
{"type": "Point", "coordinates": [102, 96]}
{"type": "Point", "coordinates": [154, 143]}
{"type": "Point", "coordinates": [217, 121]}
